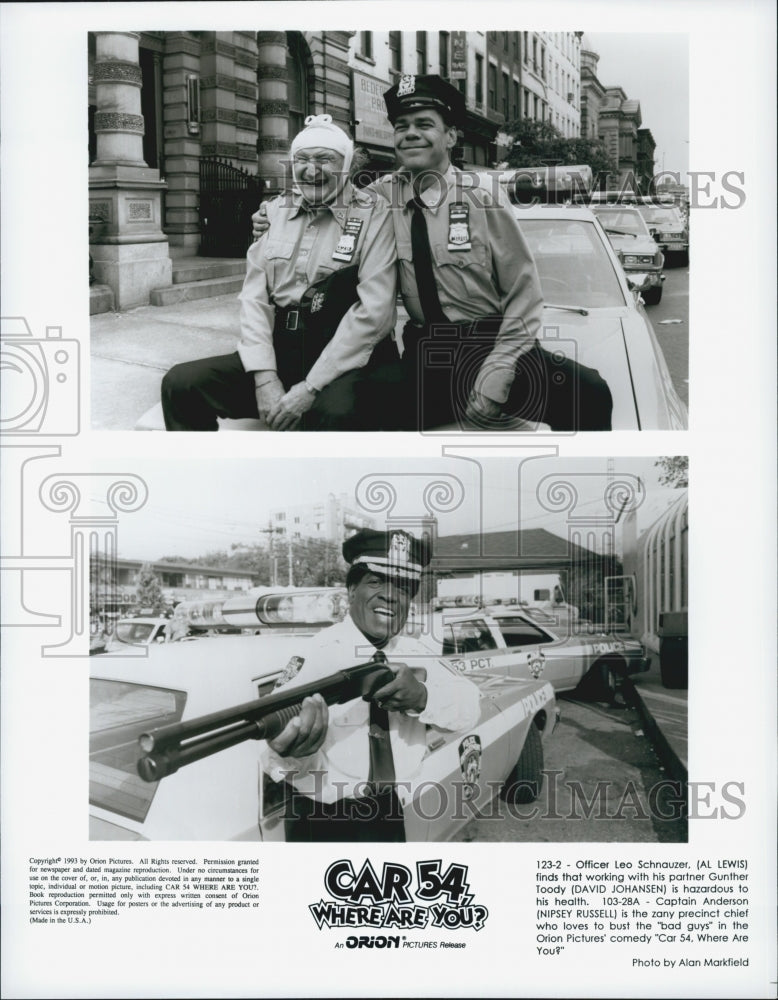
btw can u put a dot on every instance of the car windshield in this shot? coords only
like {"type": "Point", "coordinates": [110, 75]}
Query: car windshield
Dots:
{"type": "Point", "coordinates": [133, 633]}
{"type": "Point", "coordinates": [661, 216]}
{"type": "Point", "coordinates": [118, 713]}
{"type": "Point", "coordinates": [574, 265]}
{"type": "Point", "coordinates": [620, 220]}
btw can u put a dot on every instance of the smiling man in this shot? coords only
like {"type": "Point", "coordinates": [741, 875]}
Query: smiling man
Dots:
{"type": "Point", "coordinates": [303, 344]}
{"type": "Point", "coordinates": [342, 764]}
{"type": "Point", "coordinates": [469, 283]}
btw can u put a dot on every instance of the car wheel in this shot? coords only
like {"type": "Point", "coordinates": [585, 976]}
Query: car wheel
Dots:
{"type": "Point", "coordinates": [674, 663]}
{"type": "Point", "coordinates": [683, 258]}
{"type": "Point", "coordinates": [526, 778]}
{"type": "Point", "coordinates": [652, 296]}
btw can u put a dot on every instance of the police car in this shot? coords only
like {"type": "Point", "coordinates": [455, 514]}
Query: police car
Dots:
{"type": "Point", "coordinates": [592, 312]}
{"type": "Point", "coordinates": [220, 797]}
{"type": "Point", "coordinates": [519, 644]}
{"type": "Point", "coordinates": [640, 257]}
{"type": "Point", "coordinates": [669, 228]}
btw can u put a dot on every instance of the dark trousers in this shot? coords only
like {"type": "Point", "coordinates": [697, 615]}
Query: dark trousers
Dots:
{"type": "Point", "coordinates": [440, 366]}
{"type": "Point", "coordinates": [376, 819]}
{"type": "Point", "coordinates": [195, 393]}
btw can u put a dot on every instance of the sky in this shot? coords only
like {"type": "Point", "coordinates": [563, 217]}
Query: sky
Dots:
{"type": "Point", "coordinates": [652, 69]}
{"type": "Point", "coordinates": [195, 508]}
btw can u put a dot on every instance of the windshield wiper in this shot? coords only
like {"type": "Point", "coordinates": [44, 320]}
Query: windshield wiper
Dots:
{"type": "Point", "coordinates": [620, 232]}
{"type": "Point", "coordinates": [572, 309]}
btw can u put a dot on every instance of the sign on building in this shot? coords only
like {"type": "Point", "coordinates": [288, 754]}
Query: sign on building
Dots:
{"type": "Point", "coordinates": [372, 125]}
{"type": "Point", "coordinates": [458, 69]}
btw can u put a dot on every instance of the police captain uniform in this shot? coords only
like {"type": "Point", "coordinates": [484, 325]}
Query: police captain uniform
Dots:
{"type": "Point", "coordinates": [293, 304]}
{"type": "Point", "coordinates": [354, 787]}
{"type": "Point", "coordinates": [473, 295]}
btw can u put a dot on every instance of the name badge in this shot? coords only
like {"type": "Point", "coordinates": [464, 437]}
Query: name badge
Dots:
{"type": "Point", "coordinates": [459, 227]}
{"type": "Point", "coordinates": [348, 241]}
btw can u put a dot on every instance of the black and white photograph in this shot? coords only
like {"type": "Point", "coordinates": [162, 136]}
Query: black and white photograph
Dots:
{"type": "Point", "coordinates": [445, 672]}
{"type": "Point", "coordinates": [509, 654]}
{"type": "Point", "coordinates": [459, 231]}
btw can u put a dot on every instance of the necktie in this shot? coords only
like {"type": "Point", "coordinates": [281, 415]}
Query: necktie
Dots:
{"type": "Point", "coordinates": [381, 773]}
{"type": "Point", "coordinates": [422, 266]}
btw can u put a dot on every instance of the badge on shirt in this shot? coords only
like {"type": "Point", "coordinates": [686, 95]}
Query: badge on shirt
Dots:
{"type": "Point", "coordinates": [459, 227]}
{"type": "Point", "coordinates": [348, 241]}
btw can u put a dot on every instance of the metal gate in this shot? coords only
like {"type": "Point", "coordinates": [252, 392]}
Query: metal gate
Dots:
{"type": "Point", "coordinates": [228, 196]}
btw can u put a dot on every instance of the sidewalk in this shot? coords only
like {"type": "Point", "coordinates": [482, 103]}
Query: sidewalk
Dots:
{"type": "Point", "coordinates": [131, 351]}
{"type": "Point", "coordinates": [665, 715]}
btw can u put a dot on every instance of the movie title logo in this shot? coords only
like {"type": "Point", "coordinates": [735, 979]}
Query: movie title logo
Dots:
{"type": "Point", "coordinates": [398, 898]}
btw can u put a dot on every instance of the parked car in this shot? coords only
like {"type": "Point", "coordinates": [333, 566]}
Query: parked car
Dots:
{"type": "Point", "coordinates": [670, 230]}
{"type": "Point", "coordinates": [637, 250]}
{"type": "Point", "coordinates": [217, 798]}
{"type": "Point", "coordinates": [591, 313]}
{"type": "Point", "coordinates": [517, 644]}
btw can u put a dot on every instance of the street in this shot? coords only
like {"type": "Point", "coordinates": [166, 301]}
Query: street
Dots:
{"type": "Point", "coordinates": [673, 336]}
{"type": "Point", "coordinates": [603, 784]}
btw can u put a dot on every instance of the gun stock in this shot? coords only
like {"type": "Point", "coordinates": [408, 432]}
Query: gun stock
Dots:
{"type": "Point", "coordinates": [168, 748]}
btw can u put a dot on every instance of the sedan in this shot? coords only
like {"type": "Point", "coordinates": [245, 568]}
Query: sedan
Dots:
{"type": "Point", "coordinates": [225, 796]}
{"type": "Point", "coordinates": [515, 643]}
{"type": "Point", "coordinates": [591, 314]}
{"type": "Point", "coordinates": [640, 257]}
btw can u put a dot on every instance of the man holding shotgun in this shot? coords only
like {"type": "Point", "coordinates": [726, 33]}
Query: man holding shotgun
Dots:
{"type": "Point", "coordinates": [342, 764]}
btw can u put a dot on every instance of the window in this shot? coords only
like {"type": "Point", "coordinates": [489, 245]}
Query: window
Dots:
{"type": "Point", "coordinates": [443, 53]}
{"type": "Point", "coordinates": [396, 51]}
{"type": "Point", "coordinates": [421, 52]}
{"type": "Point", "coordinates": [492, 87]}
{"type": "Point", "coordinates": [526, 104]}
{"type": "Point", "coordinates": [505, 92]}
{"type": "Point", "coordinates": [366, 44]}
{"type": "Point", "coordinates": [516, 109]}
{"type": "Point", "coordinates": [479, 79]}
{"type": "Point", "coordinates": [521, 633]}
{"type": "Point", "coordinates": [297, 80]}
{"type": "Point", "coordinates": [505, 41]}
{"type": "Point", "coordinates": [515, 45]}
{"type": "Point", "coordinates": [467, 637]}
{"type": "Point", "coordinates": [526, 49]}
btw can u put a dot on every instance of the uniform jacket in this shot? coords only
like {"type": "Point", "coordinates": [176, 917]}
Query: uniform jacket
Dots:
{"type": "Point", "coordinates": [298, 250]}
{"type": "Point", "coordinates": [495, 275]}
{"type": "Point", "coordinates": [344, 758]}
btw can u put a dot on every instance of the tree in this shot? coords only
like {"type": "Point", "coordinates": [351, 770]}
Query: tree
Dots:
{"type": "Point", "coordinates": [539, 143]}
{"type": "Point", "coordinates": [148, 591]}
{"type": "Point", "coordinates": [675, 471]}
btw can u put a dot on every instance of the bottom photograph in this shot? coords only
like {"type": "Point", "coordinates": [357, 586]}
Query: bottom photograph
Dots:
{"type": "Point", "coordinates": [454, 649]}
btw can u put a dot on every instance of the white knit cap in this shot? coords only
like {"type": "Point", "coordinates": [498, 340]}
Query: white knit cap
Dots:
{"type": "Point", "coordinates": [320, 131]}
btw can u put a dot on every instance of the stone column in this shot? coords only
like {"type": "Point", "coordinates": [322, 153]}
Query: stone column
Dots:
{"type": "Point", "coordinates": [273, 108]}
{"type": "Point", "coordinates": [127, 245]}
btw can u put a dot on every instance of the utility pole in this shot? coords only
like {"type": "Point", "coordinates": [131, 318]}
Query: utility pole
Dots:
{"type": "Point", "coordinates": [271, 531]}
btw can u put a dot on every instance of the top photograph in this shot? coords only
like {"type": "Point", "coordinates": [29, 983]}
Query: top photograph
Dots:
{"type": "Point", "coordinates": [445, 232]}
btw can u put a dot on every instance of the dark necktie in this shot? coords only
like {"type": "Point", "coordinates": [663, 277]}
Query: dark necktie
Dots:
{"type": "Point", "coordinates": [422, 265]}
{"type": "Point", "coordinates": [381, 773]}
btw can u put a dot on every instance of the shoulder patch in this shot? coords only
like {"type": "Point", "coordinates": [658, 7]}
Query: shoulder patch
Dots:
{"type": "Point", "coordinates": [292, 669]}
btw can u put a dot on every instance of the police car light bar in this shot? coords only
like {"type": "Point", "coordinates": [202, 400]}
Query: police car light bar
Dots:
{"type": "Point", "coordinates": [550, 184]}
{"type": "Point", "coordinates": [286, 608]}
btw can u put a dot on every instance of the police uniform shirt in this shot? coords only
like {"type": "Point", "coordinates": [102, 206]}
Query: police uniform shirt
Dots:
{"type": "Point", "coordinates": [297, 251]}
{"type": "Point", "coordinates": [495, 275]}
{"type": "Point", "coordinates": [344, 758]}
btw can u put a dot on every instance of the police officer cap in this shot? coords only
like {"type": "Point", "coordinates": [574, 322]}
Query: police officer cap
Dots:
{"type": "Point", "coordinates": [390, 553]}
{"type": "Point", "coordinates": [414, 92]}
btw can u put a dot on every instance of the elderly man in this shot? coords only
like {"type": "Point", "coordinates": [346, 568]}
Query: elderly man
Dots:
{"type": "Point", "coordinates": [342, 764]}
{"type": "Point", "coordinates": [469, 284]}
{"type": "Point", "coordinates": [319, 295]}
